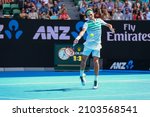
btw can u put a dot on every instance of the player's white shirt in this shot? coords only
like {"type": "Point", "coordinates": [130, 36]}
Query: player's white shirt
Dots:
{"type": "Point", "coordinates": [93, 28]}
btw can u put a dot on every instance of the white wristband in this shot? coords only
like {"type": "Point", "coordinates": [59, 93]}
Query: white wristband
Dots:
{"type": "Point", "coordinates": [78, 37]}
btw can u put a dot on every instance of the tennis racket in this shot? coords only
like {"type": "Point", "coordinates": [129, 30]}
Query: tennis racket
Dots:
{"type": "Point", "coordinates": [70, 50]}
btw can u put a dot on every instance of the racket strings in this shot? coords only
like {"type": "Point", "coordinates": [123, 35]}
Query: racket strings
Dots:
{"type": "Point", "coordinates": [69, 51]}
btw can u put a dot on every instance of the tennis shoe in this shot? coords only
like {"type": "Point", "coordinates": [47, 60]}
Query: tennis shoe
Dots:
{"type": "Point", "coordinates": [83, 80]}
{"type": "Point", "coordinates": [95, 84]}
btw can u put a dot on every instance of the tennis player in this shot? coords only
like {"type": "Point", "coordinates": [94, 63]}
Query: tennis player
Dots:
{"type": "Point", "coordinates": [92, 44]}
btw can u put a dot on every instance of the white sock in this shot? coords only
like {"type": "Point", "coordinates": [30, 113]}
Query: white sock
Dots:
{"type": "Point", "coordinates": [81, 72]}
{"type": "Point", "coordinates": [96, 78]}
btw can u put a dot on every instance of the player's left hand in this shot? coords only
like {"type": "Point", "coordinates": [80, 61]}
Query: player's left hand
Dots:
{"type": "Point", "coordinates": [112, 30]}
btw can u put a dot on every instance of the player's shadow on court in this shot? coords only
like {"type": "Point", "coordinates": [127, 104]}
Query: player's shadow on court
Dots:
{"type": "Point", "coordinates": [60, 89]}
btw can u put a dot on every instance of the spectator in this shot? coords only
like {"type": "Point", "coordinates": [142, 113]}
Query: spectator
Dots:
{"type": "Point", "coordinates": [130, 3]}
{"type": "Point", "coordinates": [38, 4]}
{"type": "Point", "coordinates": [43, 9]}
{"type": "Point", "coordinates": [134, 14]}
{"type": "Point", "coordinates": [94, 8]}
{"type": "Point", "coordinates": [33, 14]}
{"type": "Point", "coordinates": [28, 6]}
{"type": "Point", "coordinates": [103, 6]}
{"type": "Point", "coordinates": [139, 15]}
{"type": "Point", "coordinates": [134, 9]}
{"type": "Point", "coordinates": [62, 8]}
{"type": "Point", "coordinates": [64, 15]}
{"type": "Point", "coordinates": [101, 3]}
{"type": "Point", "coordinates": [105, 14]}
{"type": "Point", "coordinates": [97, 13]}
{"type": "Point", "coordinates": [59, 3]}
{"type": "Point", "coordinates": [91, 4]}
{"type": "Point", "coordinates": [118, 15]}
{"type": "Point", "coordinates": [119, 4]}
{"type": "Point", "coordinates": [126, 6]}
{"type": "Point", "coordinates": [115, 8]}
{"type": "Point", "coordinates": [110, 6]}
{"type": "Point", "coordinates": [23, 14]}
{"type": "Point", "coordinates": [50, 3]}
{"type": "Point", "coordinates": [81, 3]}
{"type": "Point", "coordinates": [127, 15]}
{"type": "Point", "coordinates": [55, 8]}
{"type": "Point", "coordinates": [138, 4]}
{"type": "Point", "coordinates": [144, 7]}
{"type": "Point", "coordinates": [144, 16]}
{"type": "Point", "coordinates": [147, 13]}
{"type": "Point", "coordinates": [82, 11]}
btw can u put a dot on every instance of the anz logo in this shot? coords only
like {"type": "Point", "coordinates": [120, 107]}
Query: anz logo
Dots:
{"type": "Point", "coordinates": [57, 32]}
{"type": "Point", "coordinates": [123, 65]}
{"type": "Point", "coordinates": [78, 27]}
{"type": "Point", "coordinates": [12, 30]}
{"type": "Point", "coordinates": [49, 32]}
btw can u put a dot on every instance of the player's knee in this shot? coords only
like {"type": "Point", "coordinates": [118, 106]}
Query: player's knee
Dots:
{"type": "Point", "coordinates": [96, 60]}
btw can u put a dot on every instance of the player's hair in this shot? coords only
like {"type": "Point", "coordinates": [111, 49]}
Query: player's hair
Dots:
{"type": "Point", "coordinates": [89, 9]}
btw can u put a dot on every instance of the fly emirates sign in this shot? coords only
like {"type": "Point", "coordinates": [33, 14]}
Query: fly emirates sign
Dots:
{"type": "Point", "coordinates": [129, 34]}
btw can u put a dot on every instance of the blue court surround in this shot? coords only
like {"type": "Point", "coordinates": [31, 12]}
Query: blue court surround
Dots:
{"type": "Point", "coordinates": [113, 85]}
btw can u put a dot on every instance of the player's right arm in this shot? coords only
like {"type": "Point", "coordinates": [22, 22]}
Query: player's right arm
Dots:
{"type": "Point", "coordinates": [107, 25]}
{"type": "Point", "coordinates": [79, 36]}
{"type": "Point", "coordinates": [110, 27]}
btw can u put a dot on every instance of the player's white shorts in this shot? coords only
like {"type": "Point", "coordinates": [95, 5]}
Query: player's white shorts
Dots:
{"type": "Point", "coordinates": [88, 51]}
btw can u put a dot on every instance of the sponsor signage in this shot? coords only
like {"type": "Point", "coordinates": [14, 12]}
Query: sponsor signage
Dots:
{"type": "Point", "coordinates": [30, 43]}
{"type": "Point", "coordinates": [130, 42]}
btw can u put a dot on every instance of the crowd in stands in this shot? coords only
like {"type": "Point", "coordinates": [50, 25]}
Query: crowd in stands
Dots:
{"type": "Point", "coordinates": [39, 9]}
{"type": "Point", "coordinates": [105, 9]}
{"type": "Point", "coordinates": [117, 10]}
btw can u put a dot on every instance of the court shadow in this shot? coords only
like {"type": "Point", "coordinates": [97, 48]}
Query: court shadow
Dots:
{"type": "Point", "coordinates": [60, 90]}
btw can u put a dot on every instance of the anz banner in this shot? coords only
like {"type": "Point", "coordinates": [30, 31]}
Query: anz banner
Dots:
{"type": "Point", "coordinates": [128, 48]}
{"type": "Point", "coordinates": [31, 43]}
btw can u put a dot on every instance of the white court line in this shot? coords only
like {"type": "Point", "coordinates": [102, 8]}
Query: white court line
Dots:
{"type": "Point", "coordinates": [101, 81]}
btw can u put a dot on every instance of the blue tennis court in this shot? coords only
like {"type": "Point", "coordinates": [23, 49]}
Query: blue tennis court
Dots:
{"type": "Point", "coordinates": [113, 85]}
